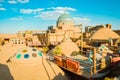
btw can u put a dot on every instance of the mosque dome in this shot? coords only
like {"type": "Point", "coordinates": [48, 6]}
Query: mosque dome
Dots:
{"type": "Point", "coordinates": [27, 55]}
{"type": "Point", "coordinates": [65, 18]}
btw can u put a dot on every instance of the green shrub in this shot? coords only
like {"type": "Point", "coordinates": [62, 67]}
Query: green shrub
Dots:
{"type": "Point", "coordinates": [75, 53]}
{"type": "Point", "coordinates": [57, 51]}
{"type": "Point", "coordinates": [107, 78]}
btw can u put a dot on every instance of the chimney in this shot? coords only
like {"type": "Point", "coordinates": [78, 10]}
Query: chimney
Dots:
{"type": "Point", "coordinates": [108, 26]}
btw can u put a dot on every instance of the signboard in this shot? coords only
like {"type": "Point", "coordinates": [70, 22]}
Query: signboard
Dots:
{"type": "Point", "coordinates": [58, 60]}
{"type": "Point", "coordinates": [72, 65]}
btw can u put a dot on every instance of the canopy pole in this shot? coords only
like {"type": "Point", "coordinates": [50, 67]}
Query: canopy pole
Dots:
{"type": "Point", "coordinates": [94, 60]}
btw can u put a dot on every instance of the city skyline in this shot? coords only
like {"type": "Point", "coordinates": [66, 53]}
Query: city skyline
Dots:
{"type": "Point", "coordinates": [16, 15]}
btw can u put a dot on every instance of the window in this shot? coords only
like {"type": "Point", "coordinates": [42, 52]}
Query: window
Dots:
{"type": "Point", "coordinates": [53, 31]}
{"type": "Point", "coordinates": [119, 44]}
{"type": "Point", "coordinates": [60, 27]}
{"type": "Point", "coordinates": [15, 42]}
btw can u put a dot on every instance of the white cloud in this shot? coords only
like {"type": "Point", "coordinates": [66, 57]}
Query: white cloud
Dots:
{"type": "Point", "coordinates": [49, 15]}
{"type": "Point", "coordinates": [62, 8]}
{"type": "Point", "coordinates": [84, 21]}
{"type": "Point", "coordinates": [12, 2]}
{"type": "Point", "coordinates": [16, 18]}
{"type": "Point", "coordinates": [17, 1]}
{"type": "Point", "coordinates": [2, 9]}
{"type": "Point", "coordinates": [31, 11]}
{"type": "Point", "coordinates": [81, 19]}
{"type": "Point", "coordinates": [54, 12]}
{"type": "Point", "coordinates": [23, 1]}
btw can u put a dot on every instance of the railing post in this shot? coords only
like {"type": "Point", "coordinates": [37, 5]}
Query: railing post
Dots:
{"type": "Point", "coordinates": [91, 70]}
{"type": "Point", "coordinates": [94, 60]}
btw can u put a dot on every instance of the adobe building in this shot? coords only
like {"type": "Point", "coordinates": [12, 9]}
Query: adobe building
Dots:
{"type": "Point", "coordinates": [117, 43]}
{"type": "Point", "coordinates": [104, 35]}
{"type": "Point", "coordinates": [90, 30]}
{"type": "Point", "coordinates": [54, 35]}
{"type": "Point", "coordinates": [6, 37]}
{"type": "Point", "coordinates": [117, 31]}
{"type": "Point", "coordinates": [28, 37]}
{"type": "Point", "coordinates": [31, 37]}
{"type": "Point", "coordinates": [64, 26]}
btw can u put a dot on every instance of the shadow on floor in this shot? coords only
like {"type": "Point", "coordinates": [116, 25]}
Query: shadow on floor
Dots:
{"type": "Point", "coordinates": [5, 73]}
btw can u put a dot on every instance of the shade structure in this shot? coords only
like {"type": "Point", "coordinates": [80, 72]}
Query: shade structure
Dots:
{"type": "Point", "coordinates": [104, 34]}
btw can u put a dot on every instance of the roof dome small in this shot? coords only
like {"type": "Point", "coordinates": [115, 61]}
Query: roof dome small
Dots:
{"type": "Point", "coordinates": [27, 55]}
{"type": "Point", "coordinates": [67, 47]}
{"type": "Point", "coordinates": [28, 64]}
{"type": "Point", "coordinates": [65, 18]}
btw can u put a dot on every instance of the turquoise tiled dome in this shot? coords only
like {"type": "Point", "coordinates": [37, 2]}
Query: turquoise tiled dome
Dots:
{"type": "Point", "coordinates": [65, 18]}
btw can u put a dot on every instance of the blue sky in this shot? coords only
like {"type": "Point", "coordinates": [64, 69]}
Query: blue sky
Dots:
{"type": "Point", "coordinates": [18, 15]}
